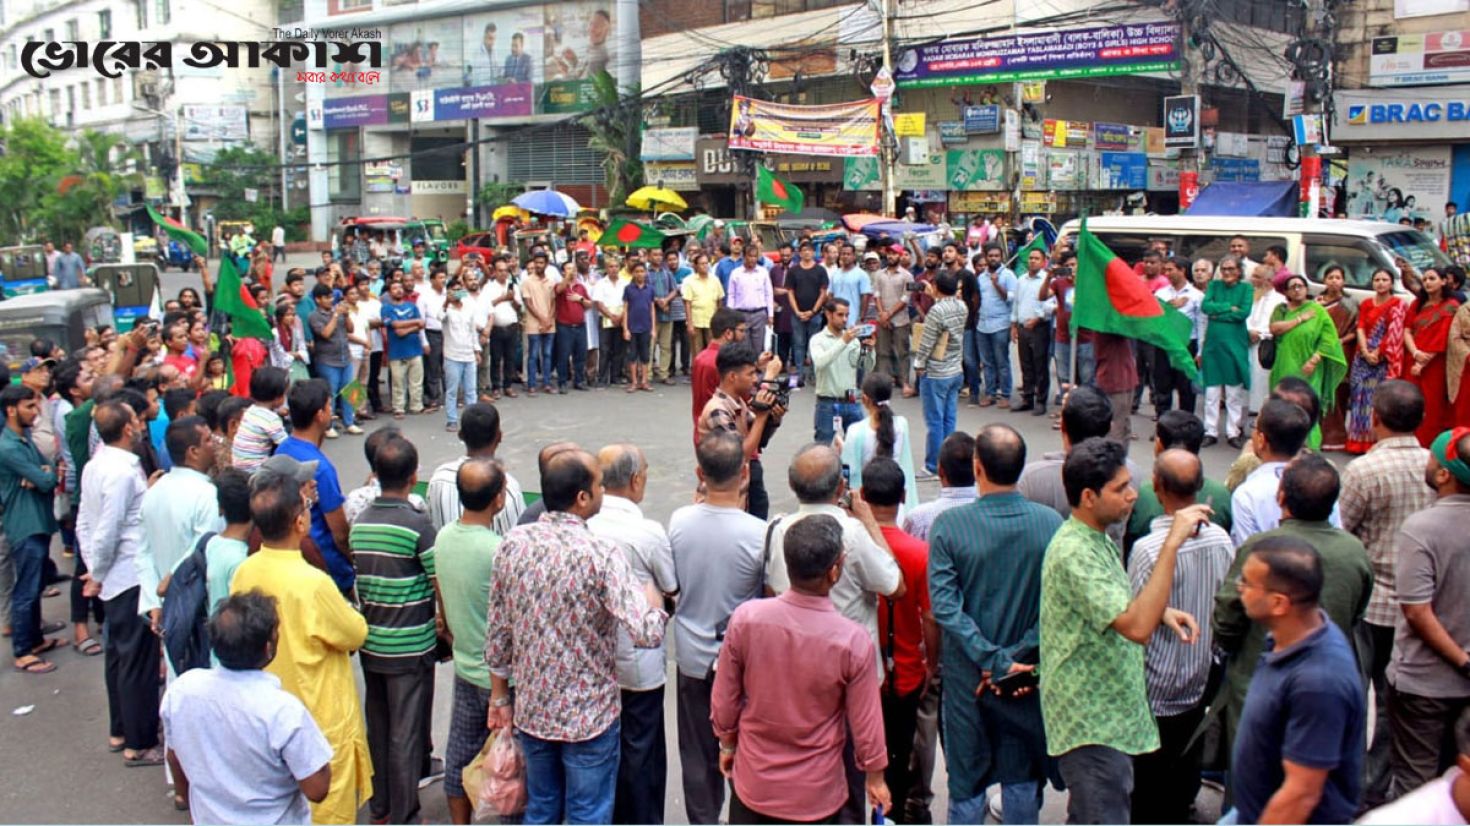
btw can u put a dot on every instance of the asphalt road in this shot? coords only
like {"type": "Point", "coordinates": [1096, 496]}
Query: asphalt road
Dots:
{"type": "Point", "coordinates": [58, 769]}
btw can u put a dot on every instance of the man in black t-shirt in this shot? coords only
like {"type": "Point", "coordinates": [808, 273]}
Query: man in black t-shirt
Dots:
{"type": "Point", "coordinates": [969, 293]}
{"type": "Point", "coordinates": [807, 282]}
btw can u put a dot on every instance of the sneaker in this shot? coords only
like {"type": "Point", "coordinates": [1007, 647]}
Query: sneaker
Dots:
{"type": "Point", "coordinates": [993, 807]}
{"type": "Point", "coordinates": [452, 427]}
{"type": "Point", "coordinates": [332, 433]}
{"type": "Point", "coordinates": [436, 773]}
{"type": "Point", "coordinates": [925, 475]}
{"type": "Point", "coordinates": [1236, 442]}
{"type": "Point", "coordinates": [354, 430]}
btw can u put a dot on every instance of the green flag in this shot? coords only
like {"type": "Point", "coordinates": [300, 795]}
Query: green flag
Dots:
{"type": "Point", "coordinates": [180, 233]}
{"type": "Point", "coordinates": [1038, 242]}
{"type": "Point", "coordinates": [772, 190]}
{"type": "Point", "coordinates": [1112, 298]}
{"type": "Point", "coordinates": [354, 394]}
{"type": "Point", "coordinates": [625, 233]}
{"type": "Point", "coordinates": [231, 298]}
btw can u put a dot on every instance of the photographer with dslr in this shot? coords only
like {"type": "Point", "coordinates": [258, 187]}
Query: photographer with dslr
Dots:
{"type": "Point", "coordinates": [839, 353]}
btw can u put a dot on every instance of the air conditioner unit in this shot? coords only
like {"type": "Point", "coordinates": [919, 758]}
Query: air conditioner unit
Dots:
{"type": "Point", "coordinates": [145, 85]}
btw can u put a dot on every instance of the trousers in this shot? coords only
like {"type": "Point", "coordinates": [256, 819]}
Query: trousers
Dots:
{"type": "Point", "coordinates": [1423, 738]}
{"type": "Point", "coordinates": [1236, 398]}
{"type": "Point", "coordinates": [1034, 349]}
{"type": "Point", "coordinates": [893, 353]}
{"type": "Point", "coordinates": [434, 367]}
{"type": "Point", "coordinates": [1375, 647]}
{"type": "Point", "coordinates": [995, 354]}
{"type": "Point", "coordinates": [1099, 784]}
{"type": "Point", "coordinates": [613, 353]}
{"type": "Point", "coordinates": [571, 345]}
{"type": "Point", "coordinates": [394, 708]}
{"type": "Point", "coordinates": [571, 782]}
{"type": "Point", "coordinates": [699, 752]}
{"type": "Point", "coordinates": [130, 671]}
{"type": "Point", "coordinates": [459, 382]}
{"type": "Point", "coordinates": [407, 379]}
{"type": "Point", "coordinates": [502, 357]}
{"type": "Point", "coordinates": [28, 559]}
{"type": "Point", "coordinates": [900, 721]}
{"type": "Point", "coordinates": [1169, 381]}
{"type": "Point", "coordinates": [643, 763]}
{"type": "Point", "coordinates": [1165, 782]}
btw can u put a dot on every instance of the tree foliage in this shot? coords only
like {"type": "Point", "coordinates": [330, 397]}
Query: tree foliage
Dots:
{"type": "Point", "coordinates": [616, 126]}
{"type": "Point", "coordinates": [238, 168]}
{"type": "Point", "coordinates": [56, 185]}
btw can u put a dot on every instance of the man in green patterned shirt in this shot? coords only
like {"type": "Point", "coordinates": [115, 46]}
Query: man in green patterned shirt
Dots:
{"type": "Point", "coordinates": [1093, 630]}
{"type": "Point", "coordinates": [393, 550]}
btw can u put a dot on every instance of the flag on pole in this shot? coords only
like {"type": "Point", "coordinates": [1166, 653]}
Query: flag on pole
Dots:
{"type": "Point", "coordinates": [1111, 298]}
{"type": "Point", "coordinates": [232, 299]}
{"type": "Point", "coordinates": [772, 190]}
{"type": "Point", "coordinates": [627, 233]}
{"type": "Point", "coordinates": [180, 233]}
{"type": "Point", "coordinates": [1038, 242]}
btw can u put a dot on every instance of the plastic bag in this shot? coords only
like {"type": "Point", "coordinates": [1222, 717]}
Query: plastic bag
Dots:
{"type": "Point", "coordinates": [496, 779]}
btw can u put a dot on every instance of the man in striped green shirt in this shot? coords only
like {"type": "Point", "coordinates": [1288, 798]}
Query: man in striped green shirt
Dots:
{"type": "Point", "coordinates": [392, 549]}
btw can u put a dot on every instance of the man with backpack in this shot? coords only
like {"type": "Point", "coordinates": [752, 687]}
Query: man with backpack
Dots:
{"type": "Point", "coordinates": [179, 509]}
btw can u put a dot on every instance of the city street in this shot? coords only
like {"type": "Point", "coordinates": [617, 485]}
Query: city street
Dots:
{"type": "Point", "coordinates": [58, 766]}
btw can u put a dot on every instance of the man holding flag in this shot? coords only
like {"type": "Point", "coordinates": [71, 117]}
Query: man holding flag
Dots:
{"type": "Point", "coordinates": [1117, 305]}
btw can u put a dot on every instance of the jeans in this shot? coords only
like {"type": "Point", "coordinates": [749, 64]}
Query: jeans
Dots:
{"type": "Point", "coordinates": [1019, 803]}
{"type": "Point", "coordinates": [850, 412]}
{"type": "Point", "coordinates": [941, 398]}
{"type": "Point", "coordinates": [29, 558]}
{"type": "Point", "coordinates": [538, 359]}
{"type": "Point", "coordinates": [1100, 784]}
{"type": "Point", "coordinates": [572, 782]}
{"type": "Point", "coordinates": [995, 353]}
{"type": "Point", "coordinates": [801, 333]}
{"type": "Point", "coordinates": [338, 378]}
{"type": "Point", "coordinates": [1086, 366]}
{"type": "Point", "coordinates": [459, 381]}
{"type": "Point", "coordinates": [1062, 355]}
{"type": "Point", "coordinates": [571, 343]}
{"type": "Point", "coordinates": [971, 358]}
{"type": "Point", "coordinates": [7, 579]}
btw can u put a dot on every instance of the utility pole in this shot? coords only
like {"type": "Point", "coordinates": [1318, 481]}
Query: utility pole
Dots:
{"type": "Point", "coordinates": [283, 127]}
{"type": "Point", "coordinates": [1313, 66]}
{"type": "Point", "coordinates": [884, 143]}
{"type": "Point", "coordinates": [1189, 72]}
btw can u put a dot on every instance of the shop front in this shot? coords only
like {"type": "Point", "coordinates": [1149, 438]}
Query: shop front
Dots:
{"type": "Point", "coordinates": [1408, 150]}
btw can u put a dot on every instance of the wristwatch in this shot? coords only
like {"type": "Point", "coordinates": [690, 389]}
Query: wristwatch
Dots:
{"type": "Point", "coordinates": [724, 750]}
{"type": "Point", "coordinates": [500, 702]}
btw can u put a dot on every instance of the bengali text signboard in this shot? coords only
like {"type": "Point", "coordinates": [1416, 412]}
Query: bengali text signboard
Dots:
{"type": "Point", "coordinates": [838, 129]}
{"type": "Point", "coordinates": [1106, 50]}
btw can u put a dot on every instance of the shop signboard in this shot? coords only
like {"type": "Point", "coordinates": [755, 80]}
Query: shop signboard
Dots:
{"type": "Point", "coordinates": [1059, 54]}
{"type": "Point", "coordinates": [1153, 142]}
{"type": "Point", "coordinates": [1401, 115]}
{"type": "Point", "coordinates": [1033, 174]}
{"type": "Point", "coordinates": [1390, 184]}
{"type": "Point", "coordinates": [1163, 176]}
{"type": "Point", "coordinates": [1065, 133]}
{"type": "Point", "coordinates": [676, 175]}
{"type": "Point", "coordinates": [1122, 170]}
{"type": "Point", "coordinates": [1038, 202]}
{"type": "Point", "coordinates": [1181, 121]}
{"type": "Point", "coordinates": [503, 101]}
{"type": "Point", "coordinates": [861, 175]}
{"type": "Point", "coordinates": [838, 129]}
{"type": "Point", "coordinates": [1066, 170]}
{"type": "Point", "coordinates": [927, 175]}
{"type": "Point", "coordinates": [1420, 59]}
{"type": "Point", "coordinates": [975, 169]}
{"type": "Point", "coordinates": [972, 202]}
{"type": "Point", "coordinates": [346, 113]}
{"type": "Point", "coordinates": [713, 163]}
{"type": "Point", "coordinates": [456, 187]}
{"type": "Point", "coordinates": [952, 133]}
{"type": "Point", "coordinates": [806, 169]}
{"type": "Point", "coordinates": [669, 144]}
{"type": "Point", "coordinates": [982, 120]}
{"type": "Point", "coordinates": [215, 123]}
{"type": "Point", "coordinates": [1236, 169]}
{"type": "Point", "coordinates": [1112, 136]}
{"type": "Point", "coordinates": [908, 124]}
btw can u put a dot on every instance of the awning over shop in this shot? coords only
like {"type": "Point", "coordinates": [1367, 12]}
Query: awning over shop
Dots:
{"type": "Point", "coordinates": [1276, 199]}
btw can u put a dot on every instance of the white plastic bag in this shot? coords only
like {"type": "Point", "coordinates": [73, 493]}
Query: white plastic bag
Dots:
{"type": "Point", "coordinates": [496, 779]}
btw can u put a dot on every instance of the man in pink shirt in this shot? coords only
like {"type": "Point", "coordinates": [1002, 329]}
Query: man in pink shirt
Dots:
{"type": "Point", "coordinates": [793, 677]}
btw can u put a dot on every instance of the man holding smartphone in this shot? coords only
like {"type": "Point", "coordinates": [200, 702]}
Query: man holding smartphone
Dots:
{"type": "Point", "coordinates": [839, 354]}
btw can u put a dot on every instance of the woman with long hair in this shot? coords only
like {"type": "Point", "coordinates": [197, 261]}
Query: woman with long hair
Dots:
{"type": "Point", "coordinates": [1264, 301]}
{"type": "Point", "coordinates": [288, 344]}
{"type": "Point", "coordinates": [1379, 357]}
{"type": "Point", "coordinates": [1425, 341]}
{"type": "Point", "coordinates": [879, 434]}
{"type": "Point", "coordinates": [1307, 346]}
{"type": "Point", "coordinates": [1343, 310]}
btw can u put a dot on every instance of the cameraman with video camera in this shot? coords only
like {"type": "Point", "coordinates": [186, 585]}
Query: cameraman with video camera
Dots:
{"type": "Point", "coordinates": [755, 420]}
{"type": "Point", "coordinates": [839, 353]}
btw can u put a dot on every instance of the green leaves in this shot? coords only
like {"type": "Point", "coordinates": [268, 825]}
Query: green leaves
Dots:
{"type": "Point", "coordinates": [57, 184]}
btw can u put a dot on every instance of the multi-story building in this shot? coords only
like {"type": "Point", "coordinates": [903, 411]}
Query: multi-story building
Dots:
{"type": "Point", "coordinates": [211, 108]}
{"type": "Point", "coordinates": [976, 142]}
{"type": "Point", "coordinates": [508, 78]}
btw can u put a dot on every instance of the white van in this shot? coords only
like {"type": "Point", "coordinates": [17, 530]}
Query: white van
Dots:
{"type": "Point", "coordinates": [1312, 245]}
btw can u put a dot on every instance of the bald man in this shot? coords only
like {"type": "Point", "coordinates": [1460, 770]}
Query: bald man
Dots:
{"type": "Point", "coordinates": [533, 511]}
{"type": "Point", "coordinates": [644, 764]}
{"type": "Point", "coordinates": [1166, 781]}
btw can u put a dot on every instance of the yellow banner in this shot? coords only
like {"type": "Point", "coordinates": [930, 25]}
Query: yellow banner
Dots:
{"type": "Point", "coordinates": [908, 124]}
{"type": "Point", "coordinates": [838, 129]}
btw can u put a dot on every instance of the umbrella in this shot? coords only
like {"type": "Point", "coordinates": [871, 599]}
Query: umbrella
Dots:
{"type": "Point", "coordinates": [857, 220]}
{"type": "Point", "coordinates": [652, 198]}
{"type": "Point", "coordinates": [547, 202]}
{"type": "Point", "coordinates": [509, 211]}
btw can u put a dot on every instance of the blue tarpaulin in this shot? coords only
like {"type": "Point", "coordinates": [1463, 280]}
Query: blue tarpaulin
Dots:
{"type": "Point", "coordinates": [1275, 199]}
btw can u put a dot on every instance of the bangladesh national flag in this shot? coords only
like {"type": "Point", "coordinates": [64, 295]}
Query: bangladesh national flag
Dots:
{"type": "Point", "coordinates": [1112, 298]}
{"type": "Point", "coordinates": [624, 233]}
{"type": "Point", "coordinates": [354, 393]}
{"type": "Point", "coordinates": [180, 233]}
{"type": "Point", "coordinates": [772, 190]}
{"type": "Point", "coordinates": [232, 299]}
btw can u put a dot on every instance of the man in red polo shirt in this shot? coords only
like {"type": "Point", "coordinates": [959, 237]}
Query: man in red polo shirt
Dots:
{"type": "Point", "coordinates": [725, 326]}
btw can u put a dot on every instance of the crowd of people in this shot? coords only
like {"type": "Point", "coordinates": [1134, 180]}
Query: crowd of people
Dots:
{"type": "Point", "coordinates": [1069, 620]}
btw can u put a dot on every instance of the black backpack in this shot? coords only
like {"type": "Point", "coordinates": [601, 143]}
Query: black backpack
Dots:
{"type": "Point", "coordinates": [185, 610]}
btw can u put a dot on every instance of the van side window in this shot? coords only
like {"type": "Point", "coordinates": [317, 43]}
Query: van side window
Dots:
{"type": "Point", "coordinates": [1354, 256]}
{"type": "Point", "coordinates": [1215, 247]}
{"type": "Point", "coordinates": [1126, 245]}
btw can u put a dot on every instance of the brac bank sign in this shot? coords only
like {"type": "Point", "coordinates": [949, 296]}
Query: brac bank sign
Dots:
{"type": "Point", "coordinates": [1368, 116]}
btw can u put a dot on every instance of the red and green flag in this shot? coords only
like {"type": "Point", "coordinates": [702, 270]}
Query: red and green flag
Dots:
{"type": "Point", "coordinates": [180, 233]}
{"type": "Point", "coordinates": [1112, 298]}
{"type": "Point", "coordinates": [624, 233]}
{"type": "Point", "coordinates": [231, 298]}
{"type": "Point", "coordinates": [772, 190]}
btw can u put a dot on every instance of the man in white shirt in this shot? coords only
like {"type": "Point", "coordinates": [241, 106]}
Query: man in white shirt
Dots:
{"type": "Point", "coordinates": [461, 349]}
{"type": "Point", "coordinates": [431, 306]}
{"type": "Point", "coordinates": [607, 297]}
{"type": "Point", "coordinates": [1185, 298]}
{"type": "Point", "coordinates": [643, 766]}
{"type": "Point", "coordinates": [110, 539]}
{"type": "Point", "coordinates": [480, 432]}
{"type": "Point", "coordinates": [1240, 248]}
{"type": "Point", "coordinates": [1281, 432]}
{"type": "Point", "coordinates": [504, 300]}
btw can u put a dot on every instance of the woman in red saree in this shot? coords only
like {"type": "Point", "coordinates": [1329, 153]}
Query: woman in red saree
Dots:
{"type": "Point", "coordinates": [1425, 340]}
{"type": "Point", "coordinates": [1379, 357]}
{"type": "Point", "coordinates": [1343, 310]}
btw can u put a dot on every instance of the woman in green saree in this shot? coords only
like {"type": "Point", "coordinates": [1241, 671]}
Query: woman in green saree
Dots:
{"type": "Point", "coordinates": [1307, 345]}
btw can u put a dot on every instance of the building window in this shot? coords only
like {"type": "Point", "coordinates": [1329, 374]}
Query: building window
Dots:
{"type": "Point", "coordinates": [1265, 14]}
{"type": "Point", "coordinates": [117, 90]}
{"type": "Point", "coordinates": [738, 10]}
{"type": "Point", "coordinates": [101, 91]}
{"type": "Point", "coordinates": [162, 14]}
{"type": "Point", "coordinates": [104, 24]}
{"type": "Point", "coordinates": [11, 57]}
{"type": "Point", "coordinates": [142, 8]}
{"type": "Point", "coordinates": [345, 179]}
{"type": "Point", "coordinates": [48, 36]}
{"type": "Point", "coordinates": [73, 30]}
{"type": "Point", "coordinates": [557, 154]}
{"type": "Point", "coordinates": [86, 96]}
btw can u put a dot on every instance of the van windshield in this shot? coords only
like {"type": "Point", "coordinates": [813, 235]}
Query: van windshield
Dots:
{"type": "Point", "coordinates": [1415, 247]}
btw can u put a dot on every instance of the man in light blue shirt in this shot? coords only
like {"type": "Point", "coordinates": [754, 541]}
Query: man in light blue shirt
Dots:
{"type": "Point", "coordinates": [993, 328]}
{"type": "Point", "coordinates": [733, 260]}
{"type": "Point", "coordinates": [68, 269]}
{"type": "Point", "coordinates": [242, 749]}
{"type": "Point", "coordinates": [851, 284]}
{"type": "Point", "coordinates": [1032, 333]}
{"type": "Point", "coordinates": [179, 509]}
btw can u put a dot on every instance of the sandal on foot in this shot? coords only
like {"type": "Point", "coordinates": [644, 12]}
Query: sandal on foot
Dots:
{"type": "Point", "coordinates": [88, 647]}
{"type": "Point", "coordinates": [35, 666]}
{"type": "Point", "coordinates": [51, 592]}
{"type": "Point", "coordinates": [117, 746]}
{"type": "Point", "coordinates": [46, 645]}
{"type": "Point", "coordinates": [147, 757]}
{"type": "Point", "coordinates": [51, 627]}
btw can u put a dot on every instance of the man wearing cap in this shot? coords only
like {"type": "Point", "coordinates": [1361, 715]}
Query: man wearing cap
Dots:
{"type": "Point", "coordinates": [715, 240]}
{"type": "Point", "coordinates": [1429, 676]}
{"type": "Point", "coordinates": [319, 629]}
